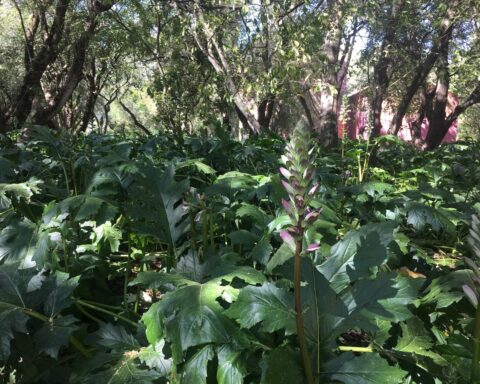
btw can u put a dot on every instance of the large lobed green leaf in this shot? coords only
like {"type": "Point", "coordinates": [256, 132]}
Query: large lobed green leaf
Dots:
{"type": "Point", "coordinates": [385, 297]}
{"type": "Point", "coordinates": [369, 368]}
{"type": "Point", "coordinates": [357, 254]}
{"type": "Point", "coordinates": [192, 315]}
{"type": "Point", "coordinates": [23, 291]}
{"type": "Point", "coordinates": [157, 208]}
{"type": "Point", "coordinates": [269, 305]}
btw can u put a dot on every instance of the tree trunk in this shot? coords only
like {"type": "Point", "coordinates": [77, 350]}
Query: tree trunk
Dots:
{"type": "Point", "coordinates": [222, 67]}
{"type": "Point", "coordinates": [74, 76]}
{"type": "Point", "coordinates": [247, 118]}
{"type": "Point", "coordinates": [344, 64]}
{"type": "Point", "coordinates": [416, 127]}
{"type": "Point", "coordinates": [421, 73]}
{"type": "Point", "coordinates": [22, 105]}
{"type": "Point", "coordinates": [3, 123]}
{"type": "Point", "coordinates": [381, 80]}
{"type": "Point", "coordinates": [92, 97]}
{"type": "Point", "coordinates": [30, 33]}
{"type": "Point", "coordinates": [328, 101]}
{"type": "Point", "coordinates": [265, 111]}
{"type": "Point", "coordinates": [135, 119]}
{"type": "Point", "coordinates": [36, 63]}
{"type": "Point", "coordinates": [381, 76]}
{"type": "Point", "coordinates": [472, 99]}
{"type": "Point", "coordinates": [435, 136]}
{"type": "Point", "coordinates": [75, 72]}
{"type": "Point", "coordinates": [438, 126]}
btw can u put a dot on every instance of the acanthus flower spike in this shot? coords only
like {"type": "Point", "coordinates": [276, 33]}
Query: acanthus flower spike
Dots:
{"type": "Point", "coordinates": [471, 295]}
{"type": "Point", "coordinates": [299, 201]}
{"type": "Point", "coordinates": [290, 190]}
{"type": "Point", "coordinates": [313, 247]}
{"type": "Point", "coordinates": [285, 173]}
{"type": "Point", "coordinates": [288, 239]}
{"type": "Point", "coordinates": [287, 206]}
{"type": "Point", "coordinates": [299, 173]}
{"type": "Point", "coordinates": [312, 216]}
{"type": "Point", "coordinates": [314, 189]}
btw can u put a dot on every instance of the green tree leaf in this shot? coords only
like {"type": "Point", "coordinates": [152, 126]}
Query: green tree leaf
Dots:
{"type": "Point", "coordinates": [280, 257]}
{"type": "Point", "coordinates": [195, 371]}
{"type": "Point", "coordinates": [282, 366]}
{"type": "Point", "coordinates": [157, 205]}
{"type": "Point", "coordinates": [420, 216]}
{"type": "Point", "coordinates": [369, 368]}
{"type": "Point", "coordinates": [385, 297]}
{"type": "Point", "coordinates": [416, 340]}
{"type": "Point", "coordinates": [54, 335]}
{"type": "Point", "coordinates": [261, 251]}
{"type": "Point", "coordinates": [151, 319]}
{"type": "Point", "coordinates": [446, 290]}
{"type": "Point", "coordinates": [115, 337]}
{"type": "Point", "coordinates": [124, 371]}
{"type": "Point", "coordinates": [232, 365]}
{"type": "Point", "coordinates": [271, 306]}
{"type": "Point", "coordinates": [193, 316]}
{"type": "Point", "coordinates": [12, 319]}
{"type": "Point", "coordinates": [56, 291]}
{"type": "Point", "coordinates": [18, 191]}
{"type": "Point", "coordinates": [154, 358]}
{"type": "Point", "coordinates": [323, 309]}
{"type": "Point", "coordinates": [17, 241]}
{"type": "Point", "coordinates": [107, 233]}
{"type": "Point", "coordinates": [357, 253]}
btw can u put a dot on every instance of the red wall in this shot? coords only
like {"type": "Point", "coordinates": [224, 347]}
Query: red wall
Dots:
{"type": "Point", "coordinates": [358, 120]}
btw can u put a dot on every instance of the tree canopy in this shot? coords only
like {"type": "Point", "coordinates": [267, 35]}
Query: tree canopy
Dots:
{"type": "Point", "coordinates": [249, 67]}
{"type": "Point", "coordinates": [239, 191]}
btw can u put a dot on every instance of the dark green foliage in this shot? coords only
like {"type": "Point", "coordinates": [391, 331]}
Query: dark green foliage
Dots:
{"type": "Point", "coordinates": [147, 262]}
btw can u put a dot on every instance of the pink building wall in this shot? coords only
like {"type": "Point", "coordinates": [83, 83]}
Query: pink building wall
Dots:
{"type": "Point", "coordinates": [358, 120]}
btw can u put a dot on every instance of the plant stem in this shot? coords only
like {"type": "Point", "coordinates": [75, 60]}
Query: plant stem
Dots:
{"type": "Point", "coordinates": [74, 178]}
{"type": "Point", "coordinates": [345, 348]}
{"type": "Point", "coordinates": [36, 315]}
{"type": "Point", "coordinates": [212, 231]}
{"type": "Point", "coordinates": [205, 222]}
{"type": "Point", "coordinates": [113, 307]}
{"type": "Point", "coordinates": [127, 272]}
{"type": "Point", "coordinates": [73, 340]}
{"type": "Point", "coordinates": [65, 253]}
{"type": "Point", "coordinates": [475, 348]}
{"type": "Point", "coordinates": [107, 312]}
{"type": "Point", "coordinates": [85, 313]}
{"type": "Point", "coordinates": [298, 312]}
{"type": "Point", "coordinates": [192, 230]}
{"type": "Point", "coordinates": [67, 184]}
{"type": "Point", "coordinates": [137, 302]}
{"type": "Point", "coordinates": [77, 344]}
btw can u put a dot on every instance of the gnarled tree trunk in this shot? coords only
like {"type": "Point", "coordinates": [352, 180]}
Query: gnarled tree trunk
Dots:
{"type": "Point", "coordinates": [423, 69]}
{"type": "Point", "coordinates": [381, 75]}
{"type": "Point", "coordinates": [321, 108]}
{"type": "Point", "coordinates": [36, 64]}
{"type": "Point", "coordinates": [217, 59]}
{"type": "Point", "coordinates": [75, 72]}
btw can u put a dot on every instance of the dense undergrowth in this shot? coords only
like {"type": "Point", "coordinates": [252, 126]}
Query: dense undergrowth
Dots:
{"type": "Point", "coordinates": [141, 261]}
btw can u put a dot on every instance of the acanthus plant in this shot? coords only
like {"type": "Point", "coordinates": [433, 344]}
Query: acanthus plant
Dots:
{"type": "Point", "coordinates": [298, 173]}
{"type": "Point", "coordinates": [472, 291]}
{"type": "Point", "coordinates": [216, 296]}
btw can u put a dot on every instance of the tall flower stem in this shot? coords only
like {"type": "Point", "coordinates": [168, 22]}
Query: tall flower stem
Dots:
{"type": "Point", "coordinates": [297, 274]}
{"type": "Point", "coordinates": [474, 379]}
{"type": "Point", "coordinates": [298, 181]}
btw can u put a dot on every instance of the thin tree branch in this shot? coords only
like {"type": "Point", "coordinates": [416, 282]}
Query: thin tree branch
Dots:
{"type": "Point", "coordinates": [134, 118]}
